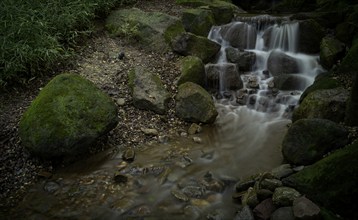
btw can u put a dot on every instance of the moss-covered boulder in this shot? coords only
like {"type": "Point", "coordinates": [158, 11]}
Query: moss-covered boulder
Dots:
{"type": "Point", "coordinates": [309, 36]}
{"type": "Point", "coordinates": [148, 28]}
{"type": "Point", "coordinates": [147, 90]}
{"type": "Point", "coordinates": [192, 70]}
{"type": "Point", "coordinates": [327, 103]}
{"type": "Point", "coordinates": [198, 21]}
{"type": "Point", "coordinates": [332, 50]}
{"type": "Point", "coordinates": [349, 63]}
{"type": "Point", "coordinates": [194, 104]}
{"type": "Point", "coordinates": [68, 115]}
{"type": "Point", "coordinates": [308, 140]}
{"type": "Point", "coordinates": [323, 81]}
{"type": "Point", "coordinates": [352, 105]}
{"type": "Point", "coordinates": [331, 182]}
{"type": "Point", "coordinates": [191, 44]}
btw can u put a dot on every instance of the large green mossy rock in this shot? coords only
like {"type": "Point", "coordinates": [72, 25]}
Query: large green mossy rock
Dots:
{"type": "Point", "coordinates": [149, 28]}
{"type": "Point", "coordinates": [68, 115]}
{"type": "Point", "coordinates": [191, 44]}
{"type": "Point", "coordinates": [331, 182]}
{"type": "Point", "coordinates": [349, 63]}
{"type": "Point", "coordinates": [194, 104]}
{"type": "Point", "coordinates": [148, 91]}
{"type": "Point", "coordinates": [326, 103]}
{"type": "Point", "coordinates": [352, 105]}
{"type": "Point", "coordinates": [332, 50]}
{"type": "Point", "coordinates": [198, 21]}
{"type": "Point", "coordinates": [308, 140]}
{"type": "Point", "coordinates": [309, 36]}
{"type": "Point", "coordinates": [324, 81]}
{"type": "Point", "coordinates": [192, 70]}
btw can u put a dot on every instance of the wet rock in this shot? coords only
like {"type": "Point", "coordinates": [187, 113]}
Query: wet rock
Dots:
{"type": "Point", "coordinates": [192, 212]}
{"type": "Point", "coordinates": [239, 35]}
{"type": "Point", "coordinates": [192, 70]}
{"type": "Point", "coordinates": [282, 171]}
{"type": "Point", "coordinates": [179, 195]}
{"type": "Point", "coordinates": [194, 103]}
{"type": "Point", "coordinates": [305, 209]}
{"type": "Point", "coordinates": [208, 155]}
{"type": "Point", "coordinates": [280, 63]}
{"type": "Point", "coordinates": [150, 131]}
{"type": "Point", "coordinates": [148, 91]}
{"type": "Point", "coordinates": [330, 180]}
{"type": "Point", "coordinates": [223, 77]}
{"type": "Point", "coordinates": [120, 178]}
{"type": "Point", "coordinates": [308, 140]}
{"type": "Point", "coordinates": [216, 215]}
{"type": "Point", "coordinates": [198, 21]}
{"type": "Point", "coordinates": [193, 191]}
{"type": "Point", "coordinates": [270, 184]}
{"type": "Point", "coordinates": [51, 187]}
{"type": "Point", "coordinates": [263, 194]}
{"type": "Point", "coordinates": [128, 155]}
{"type": "Point", "coordinates": [331, 50]}
{"type": "Point", "coordinates": [244, 185]}
{"type": "Point", "coordinates": [191, 44]}
{"type": "Point", "coordinates": [310, 36]}
{"type": "Point", "coordinates": [264, 210]}
{"type": "Point", "coordinates": [163, 139]}
{"type": "Point", "coordinates": [66, 118]}
{"type": "Point", "coordinates": [197, 140]}
{"type": "Point", "coordinates": [253, 83]}
{"type": "Point", "coordinates": [201, 203]}
{"type": "Point", "coordinates": [243, 59]}
{"type": "Point", "coordinates": [194, 129]}
{"type": "Point", "coordinates": [284, 196]}
{"type": "Point", "coordinates": [283, 213]}
{"type": "Point", "coordinates": [290, 82]}
{"type": "Point", "coordinates": [245, 214]}
{"type": "Point", "coordinates": [327, 103]}
{"type": "Point", "coordinates": [250, 198]}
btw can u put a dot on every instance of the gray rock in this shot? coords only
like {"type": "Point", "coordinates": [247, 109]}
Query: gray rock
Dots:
{"type": "Point", "coordinates": [283, 213]}
{"type": "Point", "coordinates": [270, 184]}
{"type": "Point", "coordinates": [192, 70]}
{"type": "Point", "coordinates": [66, 118]}
{"type": "Point", "coordinates": [51, 187]}
{"type": "Point", "coordinates": [244, 59]}
{"type": "Point", "coordinates": [331, 50]}
{"type": "Point", "coordinates": [284, 196]}
{"type": "Point", "coordinates": [191, 44]}
{"type": "Point", "coordinates": [305, 209]}
{"type": "Point", "coordinates": [128, 155]}
{"type": "Point", "coordinates": [198, 21]}
{"type": "Point", "coordinates": [150, 131]}
{"type": "Point", "coordinates": [326, 103]}
{"type": "Point", "coordinates": [223, 77]}
{"type": "Point", "coordinates": [239, 35]}
{"type": "Point", "coordinates": [179, 195]}
{"type": "Point", "coordinates": [263, 194]}
{"type": "Point", "coordinates": [148, 91]}
{"type": "Point", "coordinates": [244, 185]}
{"type": "Point", "coordinates": [194, 104]}
{"type": "Point", "coordinates": [279, 63]}
{"type": "Point", "coordinates": [194, 129]}
{"type": "Point", "coordinates": [245, 214]}
{"type": "Point", "coordinates": [282, 171]}
{"type": "Point", "coordinates": [250, 198]}
{"type": "Point", "coordinates": [197, 140]}
{"type": "Point", "coordinates": [308, 140]}
{"type": "Point", "coordinates": [264, 210]}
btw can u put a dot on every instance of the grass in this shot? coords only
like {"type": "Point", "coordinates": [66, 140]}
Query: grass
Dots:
{"type": "Point", "coordinates": [36, 34]}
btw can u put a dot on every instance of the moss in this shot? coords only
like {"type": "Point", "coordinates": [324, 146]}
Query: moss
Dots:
{"type": "Point", "coordinates": [352, 105]}
{"type": "Point", "coordinates": [332, 182]}
{"type": "Point", "coordinates": [202, 47]}
{"type": "Point", "coordinates": [198, 21]}
{"type": "Point", "coordinates": [173, 30]}
{"type": "Point", "coordinates": [192, 70]}
{"type": "Point", "coordinates": [68, 114]}
{"type": "Point", "coordinates": [349, 63]}
{"type": "Point", "coordinates": [331, 51]}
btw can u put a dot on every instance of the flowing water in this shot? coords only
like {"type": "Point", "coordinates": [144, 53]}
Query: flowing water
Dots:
{"type": "Point", "coordinates": [182, 179]}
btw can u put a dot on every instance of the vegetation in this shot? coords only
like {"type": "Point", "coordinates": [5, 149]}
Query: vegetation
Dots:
{"type": "Point", "coordinates": [36, 34]}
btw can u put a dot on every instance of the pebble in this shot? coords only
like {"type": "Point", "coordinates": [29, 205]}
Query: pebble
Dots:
{"type": "Point", "coordinates": [194, 129]}
{"type": "Point", "coordinates": [121, 102]}
{"type": "Point", "coordinates": [197, 140]}
{"type": "Point", "coordinates": [150, 131]}
{"type": "Point", "coordinates": [129, 155]}
{"type": "Point", "coordinates": [51, 187]}
{"type": "Point", "coordinates": [120, 178]}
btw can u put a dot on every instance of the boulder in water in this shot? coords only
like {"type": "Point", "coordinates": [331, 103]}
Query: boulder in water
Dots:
{"type": "Point", "coordinates": [223, 77]}
{"type": "Point", "coordinates": [148, 91]}
{"type": "Point", "coordinates": [240, 35]}
{"type": "Point", "coordinates": [309, 36]}
{"type": "Point", "coordinates": [191, 44]}
{"type": "Point", "coordinates": [331, 182]}
{"type": "Point", "coordinates": [192, 70]}
{"type": "Point", "coordinates": [326, 103]}
{"type": "Point", "coordinates": [244, 59]}
{"type": "Point", "coordinates": [198, 21]}
{"type": "Point", "coordinates": [280, 63]}
{"type": "Point", "coordinates": [68, 115]}
{"type": "Point", "coordinates": [308, 140]}
{"type": "Point", "coordinates": [194, 104]}
{"type": "Point", "coordinates": [332, 50]}
{"type": "Point", "coordinates": [290, 82]}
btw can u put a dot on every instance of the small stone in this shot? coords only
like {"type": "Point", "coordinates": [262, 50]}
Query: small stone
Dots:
{"type": "Point", "coordinates": [244, 185]}
{"type": "Point", "coordinates": [245, 214]}
{"type": "Point", "coordinates": [263, 194]}
{"type": "Point", "coordinates": [283, 213]}
{"type": "Point", "coordinates": [183, 134]}
{"type": "Point", "coordinates": [305, 209]}
{"type": "Point", "coordinates": [51, 187]}
{"type": "Point", "coordinates": [284, 196]}
{"type": "Point", "coordinates": [179, 195]}
{"type": "Point", "coordinates": [197, 140]}
{"type": "Point", "coordinates": [250, 198]}
{"type": "Point", "coordinates": [264, 210]}
{"type": "Point", "coordinates": [121, 102]}
{"type": "Point", "coordinates": [270, 184]}
{"type": "Point", "coordinates": [150, 131]}
{"type": "Point", "coordinates": [282, 171]}
{"type": "Point", "coordinates": [163, 139]}
{"type": "Point", "coordinates": [194, 129]}
{"type": "Point", "coordinates": [120, 178]}
{"type": "Point", "coordinates": [199, 202]}
{"type": "Point", "coordinates": [121, 55]}
{"type": "Point", "coordinates": [129, 155]}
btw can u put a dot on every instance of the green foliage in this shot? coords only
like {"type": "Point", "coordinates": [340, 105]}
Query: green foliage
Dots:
{"type": "Point", "coordinates": [35, 34]}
